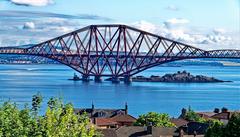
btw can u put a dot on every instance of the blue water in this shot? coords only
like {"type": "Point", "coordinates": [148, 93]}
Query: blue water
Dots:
{"type": "Point", "coordinates": [19, 82]}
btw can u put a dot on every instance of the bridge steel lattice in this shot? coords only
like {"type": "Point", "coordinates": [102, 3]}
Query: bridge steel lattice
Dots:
{"type": "Point", "coordinates": [115, 51]}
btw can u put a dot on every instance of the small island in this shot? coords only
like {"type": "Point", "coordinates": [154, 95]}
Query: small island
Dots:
{"type": "Point", "coordinates": [179, 77]}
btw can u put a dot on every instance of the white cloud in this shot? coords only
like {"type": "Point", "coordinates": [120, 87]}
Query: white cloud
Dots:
{"type": "Point", "coordinates": [32, 2]}
{"type": "Point", "coordinates": [172, 7]}
{"type": "Point", "coordinates": [34, 30]}
{"type": "Point", "coordinates": [24, 27]}
{"type": "Point", "coordinates": [219, 31]}
{"type": "Point", "coordinates": [29, 25]}
{"type": "Point", "coordinates": [218, 38]}
{"type": "Point", "coordinates": [175, 22]}
{"type": "Point", "coordinates": [144, 25]}
{"type": "Point", "coordinates": [179, 31]}
{"type": "Point", "coordinates": [57, 25]}
{"type": "Point", "coordinates": [180, 35]}
{"type": "Point", "coordinates": [175, 32]}
{"type": "Point", "coordinates": [61, 29]}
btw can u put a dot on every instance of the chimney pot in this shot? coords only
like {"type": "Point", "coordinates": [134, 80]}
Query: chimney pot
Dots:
{"type": "Point", "coordinates": [126, 108]}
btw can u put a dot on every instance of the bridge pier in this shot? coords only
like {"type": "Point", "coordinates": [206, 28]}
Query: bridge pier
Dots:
{"type": "Point", "coordinates": [115, 80]}
{"type": "Point", "coordinates": [85, 78]}
{"type": "Point", "coordinates": [127, 79]}
{"type": "Point", "coordinates": [98, 79]}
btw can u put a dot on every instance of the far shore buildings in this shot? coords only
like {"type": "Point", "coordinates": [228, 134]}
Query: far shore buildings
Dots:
{"type": "Point", "coordinates": [118, 123]}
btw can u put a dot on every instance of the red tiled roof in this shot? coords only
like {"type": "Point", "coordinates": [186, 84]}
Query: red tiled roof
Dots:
{"type": "Point", "coordinates": [104, 122]}
{"type": "Point", "coordinates": [179, 122]}
{"type": "Point", "coordinates": [114, 120]}
{"type": "Point", "coordinates": [123, 118]}
{"type": "Point", "coordinates": [223, 115]}
{"type": "Point", "coordinates": [206, 114]}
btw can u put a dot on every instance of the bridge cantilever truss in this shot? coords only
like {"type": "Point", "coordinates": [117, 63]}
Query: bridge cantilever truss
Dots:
{"type": "Point", "coordinates": [115, 50]}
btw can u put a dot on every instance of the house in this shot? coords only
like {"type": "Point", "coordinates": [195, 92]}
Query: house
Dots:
{"type": "Point", "coordinates": [108, 118]}
{"type": "Point", "coordinates": [104, 123]}
{"type": "Point", "coordinates": [140, 131]}
{"type": "Point", "coordinates": [224, 116]}
{"type": "Point", "coordinates": [189, 128]}
{"type": "Point", "coordinates": [124, 120]}
{"type": "Point", "coordinates": [197, 128]}
{"type": "Point", "coordinates": [206, 115]}
{"type": "Point", "coordinates": [101, 113]}
{"type": "Point", "coordinates": [179, 122]}
{"type": "Point", "coordinates": [115, 121]}
{"type": "Point", "coordinates": [194, 128]}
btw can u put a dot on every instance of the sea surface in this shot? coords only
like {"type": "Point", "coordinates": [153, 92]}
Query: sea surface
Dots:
{"type": "Point", "coordinates": [19, 83]}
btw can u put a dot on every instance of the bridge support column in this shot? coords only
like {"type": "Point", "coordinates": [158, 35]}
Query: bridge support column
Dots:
{"type": "Point", "coordinates": [115, 80]}
{"type": "Point", "coordinates": [85, 78]}
{"type": "Point", "coordinates": [98, 79]}
{"type": "Point", "coordinates": [127, 79]}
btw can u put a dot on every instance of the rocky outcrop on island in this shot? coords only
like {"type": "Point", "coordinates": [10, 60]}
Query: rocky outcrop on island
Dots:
{"type": "Point", "coordinates": [179, 77]}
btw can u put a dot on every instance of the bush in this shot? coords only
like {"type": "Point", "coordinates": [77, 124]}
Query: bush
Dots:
{"type": "Point", "coordinates": [215, 129]}
{"type": "Point", "coordinates": [193, 116]}
{"type": "Point", "coordinates": [232, 129]}
{"type": "Point", "coordinates": [154, 119]}
{"type": "Point", "coordinates": [58, 121]}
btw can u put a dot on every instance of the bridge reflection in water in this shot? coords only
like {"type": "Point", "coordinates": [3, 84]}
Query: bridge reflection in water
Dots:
{"type": "Point", "coordinates": [115, 51]}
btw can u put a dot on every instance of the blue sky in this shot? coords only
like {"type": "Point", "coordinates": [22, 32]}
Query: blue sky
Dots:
{"type": "Point", "coordinates": [208, 24]}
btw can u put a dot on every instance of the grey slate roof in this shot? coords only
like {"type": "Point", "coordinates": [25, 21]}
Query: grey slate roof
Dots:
{"type": "Point", "coordinates": [104, 113]}
{"type": "Point", "coordinates": [138, 131]}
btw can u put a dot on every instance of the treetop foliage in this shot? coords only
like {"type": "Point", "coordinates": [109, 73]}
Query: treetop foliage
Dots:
{"type": "Point", "coordinates": [59, 120]}
{"type": "Point", "coordinates": [154, 119]}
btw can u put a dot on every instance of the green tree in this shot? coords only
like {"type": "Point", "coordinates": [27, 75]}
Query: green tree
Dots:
{"type": "Point", "coordinates": [156, 119]}
{"type": "Point", "coordinates": [36, 103]}
{"type": "Point", "coordinates": [58, 121]}
{"type": "Point", "coordinates": [233, 127]}
{"type": "Point", "coordinates": [215, 129]}
{"type": "Point", "coordinates": [193, 116]}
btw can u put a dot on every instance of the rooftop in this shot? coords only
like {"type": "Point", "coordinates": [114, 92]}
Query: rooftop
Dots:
{"type": "Point", "coordinates": [138, 131]}
{"type": "Point", "coordinates": [179, 122]}
{"type": "Point", "coordinates": [103, 113]}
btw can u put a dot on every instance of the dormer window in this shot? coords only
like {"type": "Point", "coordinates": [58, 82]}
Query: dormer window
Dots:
{"type": "Point", "coordinates": [101, 114]}
{"type": "Point", "coordinates": [120, 112]}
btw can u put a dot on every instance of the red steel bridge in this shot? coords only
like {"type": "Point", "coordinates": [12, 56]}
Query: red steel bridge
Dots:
{"type": "Point", "coordinates": [115, 51]}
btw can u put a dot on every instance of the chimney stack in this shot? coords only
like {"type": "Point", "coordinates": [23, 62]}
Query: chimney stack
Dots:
{"type": "Point", "coordinates": [126, 108]}
{"type": "Point", "coordinates": [184, 111]}
{"type": "Point", "coordinates": [92, 106]}
{"type": "Point", "coordinates": [94, 121]}
{"type": "Point", "coordinates": [224, 110]}
{"type": "Point", "coordinates": [92, 109]}
{"type": "Point", "coordinates": [216, 110]}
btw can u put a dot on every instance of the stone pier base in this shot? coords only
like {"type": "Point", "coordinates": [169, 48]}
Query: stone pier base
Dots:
{"type": "Point", "coordinates": [115, 80]}
{"type": "Point", "coordinates": [85, 78]}
{"type": "Point", "coordinates": [127, 79]}
{"type": "Point", "coordinates": [98, 79]}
